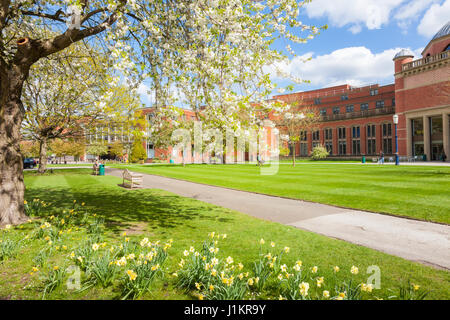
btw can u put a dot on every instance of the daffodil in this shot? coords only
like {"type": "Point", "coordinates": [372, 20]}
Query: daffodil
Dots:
{"type": "Point", "coordinates": [261, 241]}
{"type": "Point", "coordinates": [320, 282]}
{"type": "Point", "coordinates": [336, 269]}
{"type": "Point", "coordinates": [304, 287]}
{"type": "Point", "coordinates": [354, 270]}
{"type": "Point", "coordinates": [314, 269]}
{"type": "Point", "coordinates": [95, 247]}
{"type": "Point", "coordinates": [155, 267]}
{"type": "Point", "coordinates": [132, 275]}
{"type": "Point", "coordinates": [326, 294]}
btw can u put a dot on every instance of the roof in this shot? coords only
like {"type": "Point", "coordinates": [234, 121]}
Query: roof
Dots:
{"type": "Point", "coordinates": [445, 31]}
{"type": "Point", "coordinates": [404, 53]}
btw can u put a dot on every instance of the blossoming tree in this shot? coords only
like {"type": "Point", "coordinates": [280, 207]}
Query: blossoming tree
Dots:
{"type": "Point", "coordinates": [214, 51]}
{"type": "Point", "coordinates": [294, 123]}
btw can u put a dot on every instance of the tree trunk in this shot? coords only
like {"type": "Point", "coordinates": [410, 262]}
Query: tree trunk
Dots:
{"type": "Point", "coordinates": [12, 187]}
{"type": "Point", "coordinates": [43, 155]}
{"type": "Point", "coordinates": [293, 154]}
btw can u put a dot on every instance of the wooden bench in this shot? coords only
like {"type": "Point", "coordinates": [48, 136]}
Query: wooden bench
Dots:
{"type": "Point", "coordinates": [131, 179]}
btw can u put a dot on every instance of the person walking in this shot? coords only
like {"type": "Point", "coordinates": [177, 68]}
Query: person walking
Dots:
{"type": "Point", "coordinates": [381, 161]}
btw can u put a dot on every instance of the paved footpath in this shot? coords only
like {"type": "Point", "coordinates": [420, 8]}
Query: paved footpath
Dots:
{"type": "Point", "coordinates": [424, 242]}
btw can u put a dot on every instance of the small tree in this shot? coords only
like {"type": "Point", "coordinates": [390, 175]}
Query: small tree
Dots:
{"type": "Point", "coordinates": [117, 149]}
{"type": "Point", "coordinates": [97, 149]}
{"type": "Point", "coordinates": [137, 150]}
{"type": "Point", "coordinates": [319, 153]}
{"type": "Point", "coordinates": [75, 148]}
{"type": "Point", "coordinates": [295, 121]}
{"type": "Point", "coordinates": [29, 149]}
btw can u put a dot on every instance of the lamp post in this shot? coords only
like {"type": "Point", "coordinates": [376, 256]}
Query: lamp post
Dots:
{"type": "Point", "coordinates": [395, 119]}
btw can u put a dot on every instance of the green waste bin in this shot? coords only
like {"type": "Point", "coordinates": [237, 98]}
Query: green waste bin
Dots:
{"type": "Point", "coordinates": [101, 170]}
{"type": "Point", "coordinates": [363, 159]}
{"type": "Point", "coordinates": [424, 157]}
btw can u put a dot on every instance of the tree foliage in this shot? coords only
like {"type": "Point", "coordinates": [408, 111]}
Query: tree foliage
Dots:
{"type": "Point", "coordinates": [208, 54]}
{"type": "Point", "coordinates": [137, 150]}
{"type": "Point", "coordinates": [319, 153]}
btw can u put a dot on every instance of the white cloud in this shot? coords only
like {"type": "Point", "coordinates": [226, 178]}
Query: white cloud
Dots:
{"type": "Point", "coordinates": [411, 11]}
{"type": "Point", "coordinates": [356, 13]}
{"type": "Point", "coordinates": [354, 65]}
{"type": "Point", "coordinates": [434, 19]}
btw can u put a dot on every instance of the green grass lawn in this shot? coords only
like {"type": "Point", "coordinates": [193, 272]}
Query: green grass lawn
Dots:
{"type": "Point", "coordinates": [162, 215]}
{"type": "Point", "coordinates": [418, 192]}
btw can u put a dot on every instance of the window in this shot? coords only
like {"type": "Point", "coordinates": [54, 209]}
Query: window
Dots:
{"type": "Point", "coordinates": [371, 139]}
{"type": "Point", "coordinates": [350, 108]}
{"type": "Point", "coordinates": [303, 136]}
{"type": "Point", "coordinates": [447, 49]}
{"type": "Point", "coordinates": [342, 145]}
{"type": "Point", "coordinates": [344, 97]}
{"type": "Point", "coordinates": [316, 135]}
{"type": "Point", "coordinates": [342, 142]}
{"type": "Point", "coordinates": [323, 112]}
{"type": "Point", "coordinates": [341, 133]}
{"type": "Point", "coordinates": [328, 135]}
{"type": "Point", "coordinates": [336, 110]}
{"type": "Point", "coordinates": [373, 92]}
{"type": "Point", "coordinates": [364, 106]}
{"type": "Point", "coordinates": [317, 101]}
{"type": "Point", "coordinates": [303, 149]}
{"type": "Point", "coordinates": [356, 141]}
{"type": "Point", "coordinates": [315, 138]}
{"type": "Point", "coordinates": [380, 104]}
{"type": "Point", "coordinates": [387, 138]}
{"type": "Point", "coordinates": [393, 102]}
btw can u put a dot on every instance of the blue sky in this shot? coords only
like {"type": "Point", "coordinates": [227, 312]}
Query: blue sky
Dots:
{"type": "Point", "coordinates": [362, 38]}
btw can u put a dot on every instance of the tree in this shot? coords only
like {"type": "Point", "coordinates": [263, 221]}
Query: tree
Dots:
{"type": "Point", "coordinates": [137, 150]}
{"type": "Point", "coordinates": [117, 149]}
{"type": "Point", "coordinates": [97, 149]}
{"type": "Point", "coordinates": [214, 51]}
{"type": "Point", "coordinates": [59, 148]}
{"type": "Point", "coordinates": [29, 149]}
{"type": "Point", "coordinates": [60, 97]}
{"type": "Point", "coordinates": [294, 123]}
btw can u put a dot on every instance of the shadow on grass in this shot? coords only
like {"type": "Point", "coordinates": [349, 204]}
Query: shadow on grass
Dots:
{"type": "Point", "coordinates": [123, 208]}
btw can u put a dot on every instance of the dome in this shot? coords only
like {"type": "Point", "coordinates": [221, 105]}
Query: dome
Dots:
{"type": "Point", "coordinates": [404, 53]}
{"type": "Point", "coordinates": [445, 31]}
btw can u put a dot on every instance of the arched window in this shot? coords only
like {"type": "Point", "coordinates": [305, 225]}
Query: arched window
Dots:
{"type": "Point", "coordinates": [447, 49]}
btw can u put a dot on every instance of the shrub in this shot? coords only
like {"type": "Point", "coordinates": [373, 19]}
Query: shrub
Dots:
{"type": "Point", "coordinates": [284, 152]}
{"type": "Point", "coordinates": [319, 153]}
{"type": "Point", "coordinates": [137, 151]}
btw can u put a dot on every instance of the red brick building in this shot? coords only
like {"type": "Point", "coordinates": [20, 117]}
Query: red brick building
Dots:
{"type": "Point", "coordinates": [359, 121]}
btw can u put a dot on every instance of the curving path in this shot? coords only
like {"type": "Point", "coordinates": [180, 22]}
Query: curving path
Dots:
{"type": "Point", "coordinates": [424, 242]}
